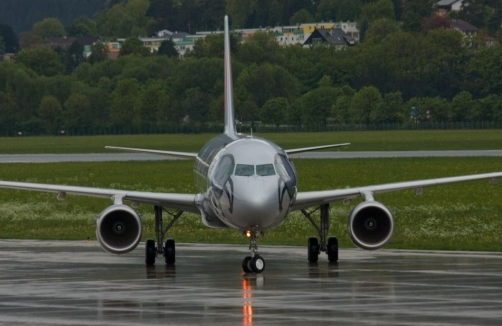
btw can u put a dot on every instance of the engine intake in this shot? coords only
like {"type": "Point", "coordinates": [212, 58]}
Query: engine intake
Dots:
{"type": "Point", "coordinates": [119, 229]}
{"type": "Point", "coordinates": [370, 225]}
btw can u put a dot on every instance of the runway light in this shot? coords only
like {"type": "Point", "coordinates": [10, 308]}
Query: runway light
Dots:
{"type": "Point", "coordinates": [248, 234]}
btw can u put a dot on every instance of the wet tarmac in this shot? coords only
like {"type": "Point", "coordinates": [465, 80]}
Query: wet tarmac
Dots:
{"type": "Point", "coordinates": [77, 283]}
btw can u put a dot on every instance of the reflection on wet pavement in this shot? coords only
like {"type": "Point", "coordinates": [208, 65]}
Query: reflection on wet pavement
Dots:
{"type": "Point", "coordinates": [77, 283]}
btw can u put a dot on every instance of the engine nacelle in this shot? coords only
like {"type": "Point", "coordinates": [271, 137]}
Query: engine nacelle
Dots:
{"type": "Point", "coordinates": [370, 225]}
{"type": "Point", "coordinates": [119, 229]}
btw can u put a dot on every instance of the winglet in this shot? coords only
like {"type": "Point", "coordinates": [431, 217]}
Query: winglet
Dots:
{"type": "Point", "coordinates": [229, 92]}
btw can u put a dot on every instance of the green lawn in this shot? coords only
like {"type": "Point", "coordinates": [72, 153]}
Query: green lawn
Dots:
{"type": "Point", "coordinates": [361, 141]}
{"type": "Point", "coordinates": [462, 216]}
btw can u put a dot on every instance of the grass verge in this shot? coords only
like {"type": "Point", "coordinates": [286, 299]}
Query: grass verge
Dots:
{"type": "Point", "coordinates": [460, 217]}
{"type": "Point", "coordinates": [403, 140]}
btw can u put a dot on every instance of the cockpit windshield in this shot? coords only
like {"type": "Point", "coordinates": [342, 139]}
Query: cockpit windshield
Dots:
{"type": "Point", "coordinates": [264, 170]}
{"type": "Point", "coordinates": [247, 170]}
{"type": "Point", "coordinates": [244, 170]}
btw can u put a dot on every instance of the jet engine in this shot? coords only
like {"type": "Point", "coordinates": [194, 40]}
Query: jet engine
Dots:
{"type": "Point", "coordinates": [119, 229]}
{"type": "Point", "coordinates": [370, 225]}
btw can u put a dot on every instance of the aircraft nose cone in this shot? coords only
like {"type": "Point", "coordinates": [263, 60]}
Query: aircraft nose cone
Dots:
{"type": "Point", "coordinates": [258, 203]}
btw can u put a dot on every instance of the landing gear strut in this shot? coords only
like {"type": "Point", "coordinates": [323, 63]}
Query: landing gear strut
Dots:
{"type": "Point", "coordinates": [254, 263]}
{"type": "Point", "coordinates": [331, 246]}
{"type": "Point", "coordinates": [167, 250]}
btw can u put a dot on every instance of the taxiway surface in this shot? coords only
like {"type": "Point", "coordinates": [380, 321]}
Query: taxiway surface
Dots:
{"type": "Point", "coordinates": [77, 283]}
{"type": "Point", "coordinates": [51, 158]}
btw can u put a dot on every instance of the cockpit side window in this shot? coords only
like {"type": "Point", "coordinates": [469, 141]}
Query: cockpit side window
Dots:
{"type": "Point", "coordinates": [264, 170]}
{"type": "Point", "coordinates": [224, 169]}
{"type": "Point", "coordinates": [283, 167]}
{"type": "Point", "coordinates": [244, 170]}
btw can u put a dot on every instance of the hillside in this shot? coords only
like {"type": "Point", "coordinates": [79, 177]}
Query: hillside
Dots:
{"type": "Point", "coordinates": [22, 14]}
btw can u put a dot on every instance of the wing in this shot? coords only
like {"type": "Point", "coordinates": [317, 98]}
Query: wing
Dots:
{"type": "Point", "coordinates": [156, 152]}
{"type": "Point", "coordinates": [185, 202]}
{"type": "Point", "coordinates": [314, 198]}
{"type": "Point", "coordinates": [308, 149]}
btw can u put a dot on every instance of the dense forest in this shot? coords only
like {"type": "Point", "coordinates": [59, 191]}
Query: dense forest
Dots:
{"type": "Point", "coordinates": [408, 66]}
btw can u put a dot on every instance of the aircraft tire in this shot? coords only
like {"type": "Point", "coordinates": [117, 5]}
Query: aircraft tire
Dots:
{"type": "Point", "coordinates": [258, 264]}
{"type": "Point", "coordinates": [332, 249]}
{"type": "Point", "coordinates": [170, 252]}
{"type": "Point", "coordinates": [150, 252]}
{"type": "Point", "coordinates": [246, 265]}
{"type": "Point", "coordinates": [313, 249]}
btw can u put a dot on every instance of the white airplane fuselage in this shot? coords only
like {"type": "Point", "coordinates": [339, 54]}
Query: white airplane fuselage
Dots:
{"type": "Point", "coordinates": [247, 183]}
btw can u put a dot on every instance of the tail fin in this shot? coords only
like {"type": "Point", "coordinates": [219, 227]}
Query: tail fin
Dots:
{"type": "Point", "coordinates": [229, 92]}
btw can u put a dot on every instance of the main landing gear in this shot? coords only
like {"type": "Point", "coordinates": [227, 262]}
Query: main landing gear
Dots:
{"type": "Point", "coordinates": [167, 250]}
{"type": "Point", "coordinates": [254, 263]}
{"type": "Point", "coordinates": [313, 246]}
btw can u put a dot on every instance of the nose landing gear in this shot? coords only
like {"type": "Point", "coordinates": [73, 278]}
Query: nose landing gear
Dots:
{"type": "Point", "coordinates": [254, 263]}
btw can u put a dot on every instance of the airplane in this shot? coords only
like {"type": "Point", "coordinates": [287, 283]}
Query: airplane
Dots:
{"type": "Point", "coordinates": [245, 183]}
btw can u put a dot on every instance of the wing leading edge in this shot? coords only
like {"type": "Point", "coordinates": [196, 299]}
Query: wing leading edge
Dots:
{"type": "Point", "coordinates": [187, 155]}
{"type": "Point", "coordinates": [314, 198]}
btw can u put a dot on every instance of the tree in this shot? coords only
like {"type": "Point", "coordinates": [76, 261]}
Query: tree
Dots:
{"type": "Point", "coordinates": [317, 105]}
{"type": "Point", "coordinates": [155, 106]}
{"type": "Point", "coordinates": [73, 56]}
{"type": "Point", "coordinates": [300, 17]}
{"type": "Point", "coordinates": [377, 10]}
{"type": "Point", "coordinates": [365, 104]}
{"type": "Point", "coordinates": [462, 107]}
{"type": "Point", "coordinates": [435, 22]}
{"type": "Point", "coordinates": [124, 19]}
{"type": "Point", "coordinates": [445, 66]}
{"type": "Point", "coordinates": [267, 81]}
{"type": "Point", "coordinates": [391, 108]}
{"type": "Point", "coordinates": [414, 13]}
{"type": "Point", "coordinates": [125, 103]}
{"type": "Point", "coordinates": [134, 45]}
{"type": "Point", "coordinates": [260, 48]}
{"type": "Point", "coordinates": [77, 111]}
{"type": "Point", "coordinates": [347, 10]}
{"type": "Point", "coordinates": [49, 27]}
{"type": "Point", "coordinates": [30, 40]}
{"type": "Point", "coordinates": [42, 61]}
{"type": "Point", "coordinates": [475, 12]}
{"type": "Point", "coordinates": [164, 14]}
{"type": "Point", "coordinates": [238, 11]}
{"type": "Point", "coordinates": [380, 29]}
{"type": "Point", "coordinates": [99, 52]}
{"type": "Point", "coordinates": [167, 48]}
{"type": "Point", "coordinates": [49, 111]}
{"type": "Point", "coordinates": [274, 111]}
{"type": "Point", "coordinates": [325, 81]}
{"type": "Point", "coordinates": [83, 26]}
{"type": "Point", "coordinates": [326, 10]}
{"type": "Point", "coordinates": [485, 72]}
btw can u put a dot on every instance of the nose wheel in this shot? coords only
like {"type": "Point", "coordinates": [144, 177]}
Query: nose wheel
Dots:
{"type": "Point", "coordinates": [254, 263]}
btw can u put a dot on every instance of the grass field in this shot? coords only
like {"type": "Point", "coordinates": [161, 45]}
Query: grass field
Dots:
{"type": "Point", "coordinates": [361, 141]}
{"type": "Point", "coordinates": [462, 216]}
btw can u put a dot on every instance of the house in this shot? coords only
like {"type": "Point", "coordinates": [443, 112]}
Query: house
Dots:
{"type": "Point", "coordinates": [445, 6]}
{"type": "Point", "coordinates": [290, 37]}
{"type": "Point", "coordinates": [334, 36]}
{"type": "Point", "coordinates": [464, 27]}
{"type": "Point", "coordinates": [65, 42]}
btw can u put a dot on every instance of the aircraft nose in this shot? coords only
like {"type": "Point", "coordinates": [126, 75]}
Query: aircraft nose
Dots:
{"type": "Point", "coordinates": [259, 202]}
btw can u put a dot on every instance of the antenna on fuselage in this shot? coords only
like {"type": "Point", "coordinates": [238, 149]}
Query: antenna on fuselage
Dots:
{"type": "Point", "coordinates": [230, 129]}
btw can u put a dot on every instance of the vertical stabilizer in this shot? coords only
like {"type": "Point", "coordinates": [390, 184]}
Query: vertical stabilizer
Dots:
{"type": "Point", "coordinates": [229, 92]}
